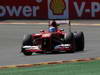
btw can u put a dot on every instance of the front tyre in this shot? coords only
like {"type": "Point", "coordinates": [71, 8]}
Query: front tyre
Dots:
{"type": "Point", "coordinates": [69, 39]}
{"type": "Point", "coordinates": [79, 41]}
{"type": "Point", "coordinates": [27, 53]}
{"type": "Point", "coordinates": [28, 41]}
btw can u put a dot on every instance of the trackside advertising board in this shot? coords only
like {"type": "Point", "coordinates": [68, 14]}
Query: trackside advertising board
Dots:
{"type": "Point", "coordinates": [58, 9]}
{"type": "Point", "coordinates": [84, 9]}
{"type": "Point", "coordinates": [36, 9]}
{"type": "Point", "coordinates": [49, 9]}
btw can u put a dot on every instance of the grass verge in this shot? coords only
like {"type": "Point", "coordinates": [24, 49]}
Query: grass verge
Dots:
{"type": "Point", "coordinates": [77, 68]}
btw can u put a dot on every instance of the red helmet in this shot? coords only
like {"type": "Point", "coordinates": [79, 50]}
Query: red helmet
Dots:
{"type": "Point", "coordinates": [54, 24]}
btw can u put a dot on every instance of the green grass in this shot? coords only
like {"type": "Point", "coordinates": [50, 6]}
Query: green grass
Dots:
{"type": "Point", "coordinates": [81, 68]}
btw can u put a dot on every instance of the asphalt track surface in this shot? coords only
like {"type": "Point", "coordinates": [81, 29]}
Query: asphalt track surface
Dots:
{"type": "Point", "coordinates": [11, 36]}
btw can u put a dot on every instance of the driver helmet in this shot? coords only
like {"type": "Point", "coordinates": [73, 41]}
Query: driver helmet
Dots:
{"type": "Point", "coordinates": [52, 29]}
{"type": "Point", "coordinates": [54, 24]}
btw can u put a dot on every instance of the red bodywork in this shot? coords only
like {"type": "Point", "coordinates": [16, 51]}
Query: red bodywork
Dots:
{"type": "Point", "coordinates": [45, 35]}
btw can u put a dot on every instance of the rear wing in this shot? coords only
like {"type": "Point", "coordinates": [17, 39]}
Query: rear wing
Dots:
{"type": "Point", "coordinates": [62, 22]}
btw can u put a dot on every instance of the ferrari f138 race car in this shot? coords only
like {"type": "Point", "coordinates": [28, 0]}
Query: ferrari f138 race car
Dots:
{"type": "Point", "coordinates": [50, 42]}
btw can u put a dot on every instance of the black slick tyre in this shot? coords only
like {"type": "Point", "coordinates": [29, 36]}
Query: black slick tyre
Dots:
{"type": "Point", "coordinates": [79, 41]}
{"type": "Point", "coordinates": [27, 42]}
{"type": "Point", "coordinates": [69, 39]}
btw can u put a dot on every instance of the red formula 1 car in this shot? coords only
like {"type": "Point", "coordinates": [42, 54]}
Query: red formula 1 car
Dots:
{"type": "Point", "coordinates": [49, 42]}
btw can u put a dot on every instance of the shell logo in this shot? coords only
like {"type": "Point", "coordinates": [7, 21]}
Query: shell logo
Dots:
{"type": "Point", "coordinates": [57, 6]}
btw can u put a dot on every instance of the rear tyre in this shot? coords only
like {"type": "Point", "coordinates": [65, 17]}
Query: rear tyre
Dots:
{"type": "Point", "coordinates": [27, 53]}
{"type": "Point", "coordinates": [69, 39]}
{"type": "Point", "coordinates": [79, 41]}
{"type": "Point", "coordinates": [27, 42]}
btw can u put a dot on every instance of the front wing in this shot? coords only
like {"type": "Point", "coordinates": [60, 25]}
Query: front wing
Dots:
{"type": "Point", "coordinates": [62, 47]}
